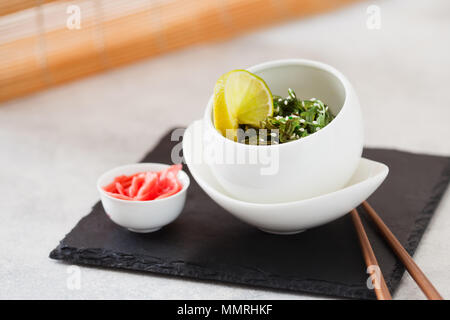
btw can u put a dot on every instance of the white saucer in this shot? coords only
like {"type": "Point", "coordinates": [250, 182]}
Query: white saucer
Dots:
{"type": "Point", "coordinates": [287, 217]}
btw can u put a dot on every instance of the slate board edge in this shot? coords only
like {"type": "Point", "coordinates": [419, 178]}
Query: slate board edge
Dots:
{"type": "Point", "coordinates": [116, 260]}
{"type": "Point", "coordinates": [421, 224]}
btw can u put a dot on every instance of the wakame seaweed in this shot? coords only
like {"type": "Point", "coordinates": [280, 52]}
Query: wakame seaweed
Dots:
{"type": "Point", "coordinates": [292, 119]}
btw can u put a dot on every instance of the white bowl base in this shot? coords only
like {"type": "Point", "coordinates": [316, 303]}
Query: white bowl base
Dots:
{"type": "Point", "coordinates": [283, 233]}
{"type": "Point", "coordinates": [144, 230]}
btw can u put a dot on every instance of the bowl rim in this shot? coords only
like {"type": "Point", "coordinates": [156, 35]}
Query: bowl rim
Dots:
{"type": "Point", "coordinates": [380, 175]}
{"type": "Point", "coordinates": [347, 87]}
{"type": "Point", "coordinates": [184, 175]}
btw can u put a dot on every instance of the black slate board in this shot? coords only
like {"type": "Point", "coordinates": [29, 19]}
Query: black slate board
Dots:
{"type": "Point", "coordinates": [207, 243]}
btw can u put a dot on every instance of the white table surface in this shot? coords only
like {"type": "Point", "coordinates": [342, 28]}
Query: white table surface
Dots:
{"type": "Point", "coordinates": [68, 136]}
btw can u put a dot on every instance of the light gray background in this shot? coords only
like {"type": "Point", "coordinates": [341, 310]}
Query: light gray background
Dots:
{"type": "Point", "coordinates": [56, 143]}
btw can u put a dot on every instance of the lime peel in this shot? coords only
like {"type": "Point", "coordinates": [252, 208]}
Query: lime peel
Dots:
{"type": "Point", "coordinates": [240, 97]}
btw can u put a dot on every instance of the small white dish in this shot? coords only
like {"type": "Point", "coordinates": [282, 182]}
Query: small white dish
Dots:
{"type": "Point", "coordinates": [286, 217]}
{"type": "Point", "coordinates": [142, 216]}
{"type": "Point", "coordinates": [319, 163]}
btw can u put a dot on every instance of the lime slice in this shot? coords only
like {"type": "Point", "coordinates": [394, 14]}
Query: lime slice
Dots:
{"type": "Point", "coordinates": [248, 97]}
{"type": "Point", "coordinates": [225, 122]}
{"type": "Point", "coordinates": [240, 97]}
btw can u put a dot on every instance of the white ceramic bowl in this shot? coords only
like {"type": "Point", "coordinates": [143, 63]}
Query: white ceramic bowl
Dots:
{"type": "Point", "coordinates": [288, 217]}
{"type": "Point", "coordinates": [318, 164]}
{"type": "Point", "coordinates": [142, 216]}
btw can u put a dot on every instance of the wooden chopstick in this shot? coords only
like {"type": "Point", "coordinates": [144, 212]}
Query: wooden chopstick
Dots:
{"type": "Point", "coordinates": [380, 287]}
{"type": "Point", "coordinates": [425, 285]}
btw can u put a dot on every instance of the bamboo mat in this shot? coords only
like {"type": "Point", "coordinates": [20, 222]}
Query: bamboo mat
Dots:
{"type": "Point", "coordinates": [49, 42]}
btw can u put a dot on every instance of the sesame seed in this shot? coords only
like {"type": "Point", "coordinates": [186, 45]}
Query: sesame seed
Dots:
{"type": "Point", "coordinates": [301, 129]}
{"type": "Point", "coordinates": [285, 102]}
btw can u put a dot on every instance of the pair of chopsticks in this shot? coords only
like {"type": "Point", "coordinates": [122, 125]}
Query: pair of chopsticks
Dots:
{"type": "Point", "coordinates": [380, 287]}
